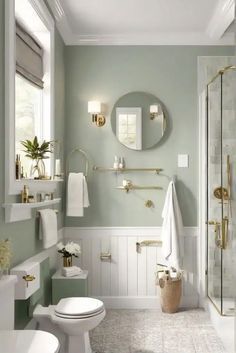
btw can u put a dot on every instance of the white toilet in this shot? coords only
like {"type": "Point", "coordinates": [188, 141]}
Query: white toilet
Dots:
{"type": "Point", "coordinates": [75, 317]}
{"type": "Point", "coordinates": [28, 341]}
{"type": "Point", "coordinates": [20, 341]}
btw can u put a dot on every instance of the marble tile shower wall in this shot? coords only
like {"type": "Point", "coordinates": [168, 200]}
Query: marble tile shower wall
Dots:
{"type": "Point", "coordinates": [228, 148]}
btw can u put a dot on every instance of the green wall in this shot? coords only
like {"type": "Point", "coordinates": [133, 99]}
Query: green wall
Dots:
{"type": "Point", "coordinates": [106, 73]}
{"type": "Point", "coordinates": [24, 234]}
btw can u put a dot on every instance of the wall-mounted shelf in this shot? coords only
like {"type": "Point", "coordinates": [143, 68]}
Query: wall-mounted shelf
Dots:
{"type": "Point", "coordinates": [123, 170]}
{"type": "Point", "coordinates": [20, 211]}
{"type": "Point", "coordinates": [129, 187]}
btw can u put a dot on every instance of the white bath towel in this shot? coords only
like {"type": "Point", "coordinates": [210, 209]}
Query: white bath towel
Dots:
{"type": "Point", "coordinates": [48, 227]}
{"type": "Point", "coordinates": [172, 229]}
{"type": "Point", "coordinates": [77, 195]}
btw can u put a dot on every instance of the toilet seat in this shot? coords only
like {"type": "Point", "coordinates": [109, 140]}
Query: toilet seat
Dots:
{"type": "Point", "coordinates": [78, 308]}
{"type": "Point", "coordinates": [28, 341]}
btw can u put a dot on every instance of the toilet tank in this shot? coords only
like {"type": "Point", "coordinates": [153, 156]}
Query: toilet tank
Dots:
{"type": "Point", "coordinates": [7, 302]}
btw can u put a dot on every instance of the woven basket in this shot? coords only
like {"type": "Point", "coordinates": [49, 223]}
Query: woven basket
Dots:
{"type": "Point", "coordinates": [171, 291]}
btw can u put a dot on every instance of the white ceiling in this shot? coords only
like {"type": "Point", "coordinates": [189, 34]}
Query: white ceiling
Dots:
{"type": "Point", "coordinates": [144, 21]}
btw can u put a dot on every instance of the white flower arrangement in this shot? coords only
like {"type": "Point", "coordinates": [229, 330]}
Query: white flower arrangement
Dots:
{"type": "Point", "coordinates": [70, 249]}
{"type": "Point", "coordinates": [5, 254]}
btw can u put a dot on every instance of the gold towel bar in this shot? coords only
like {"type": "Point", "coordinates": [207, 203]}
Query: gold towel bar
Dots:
{"type": "Point", "coordinates": [147, 243]}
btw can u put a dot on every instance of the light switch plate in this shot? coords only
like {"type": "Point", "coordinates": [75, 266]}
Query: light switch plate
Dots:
{"type": "Point", "coordinates": [183, 160]}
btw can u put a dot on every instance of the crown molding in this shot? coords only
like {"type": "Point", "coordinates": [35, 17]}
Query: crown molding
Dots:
{"type": "Point", "coordinates": [150, 39]}
{"type": "Point", "coordinates": [222, 18]}
{"type": "Point", "coordinates": [61, 20]}
{"type": "Point", "coordinates": [171, 38]}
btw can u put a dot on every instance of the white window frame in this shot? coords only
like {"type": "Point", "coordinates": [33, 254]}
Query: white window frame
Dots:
{"type": "Point", "coordinates": [127, 111]}
{"type": "Point", "coordinates": [13, 186]}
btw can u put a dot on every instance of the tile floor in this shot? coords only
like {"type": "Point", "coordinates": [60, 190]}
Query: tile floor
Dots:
{"type": "Point", "coordinates": [151, 331]}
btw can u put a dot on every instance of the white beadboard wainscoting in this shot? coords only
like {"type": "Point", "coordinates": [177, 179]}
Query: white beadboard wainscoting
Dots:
{"type": "Point", "coordinates": [128, 280]}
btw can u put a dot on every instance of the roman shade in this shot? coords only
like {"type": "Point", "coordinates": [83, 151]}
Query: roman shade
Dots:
{"type": "Point", "coordinates": [29, 57]}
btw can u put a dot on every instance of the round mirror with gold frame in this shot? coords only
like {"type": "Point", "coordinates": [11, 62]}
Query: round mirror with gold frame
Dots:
{"type": "Point", "coordinates": [138, 120]}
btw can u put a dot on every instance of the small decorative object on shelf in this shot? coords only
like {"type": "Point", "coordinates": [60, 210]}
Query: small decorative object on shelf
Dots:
{"type": "Point", "coordinates": [25, 194]}
{"type": "Point", "coordinates": [18, 167]}
{"type": "Point", "coordinates": [68, 251]}
{"type": "Point", "coordinates": [5, 256]}
{"type": "Point", "coordinates": [37, 153]}
{"type": "Point", "coordinates": [58, 172]}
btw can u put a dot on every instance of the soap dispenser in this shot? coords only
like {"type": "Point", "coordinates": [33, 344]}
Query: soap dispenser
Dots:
{"type": "Point", "coordinates": [116, 163]}
{"type": "Point", "coordinates": [121, 163]}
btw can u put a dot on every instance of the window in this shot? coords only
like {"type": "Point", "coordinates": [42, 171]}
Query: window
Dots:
{"type": "Point", "coordinates": [29, 86]}
{"type": "Point", "coordinates": [129, 127]}
{"type": "Point", "coordinates": [28, 117]}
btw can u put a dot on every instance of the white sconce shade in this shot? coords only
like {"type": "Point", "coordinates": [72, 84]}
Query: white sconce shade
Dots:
{"type": "Point", "coordinates": [154, 109]}
{"type": "Point", "coordinates": [94, 107]}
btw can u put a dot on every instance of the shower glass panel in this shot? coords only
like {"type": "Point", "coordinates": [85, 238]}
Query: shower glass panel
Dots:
{"type": "Point", "coordinates": [214, 181]}
{"type": "Point", "coordinates": [228, 178]}
{"type": "Point", "coordinates": [221, 198]}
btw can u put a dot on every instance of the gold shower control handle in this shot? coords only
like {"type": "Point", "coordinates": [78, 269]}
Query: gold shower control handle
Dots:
{"type": "Point", "coordinates": [222, 239]}
{"type": "Point", "coordinates": [213, 223]}
{"type": "Point", "coordinates": [216, 224]}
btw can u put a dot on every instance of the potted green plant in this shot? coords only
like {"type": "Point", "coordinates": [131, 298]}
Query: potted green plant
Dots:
{"type": "Point", "coordinates": [37, 153]}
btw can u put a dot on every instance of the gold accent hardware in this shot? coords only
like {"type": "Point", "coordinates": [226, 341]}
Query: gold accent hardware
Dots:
{"type": "Point", "coordinates": [221, 240]}
{"type": "Point", "coordinates": [131, 186]}
{"type": "Point", "coordinates": [105, 256]}
{"type": "Point", "coordinates": [94, 108]}
{"type": "Point", "coordinates": [220, 193]}
{"type": "Point", "coordinates": [147, 243]}
{"type": "Point", "coordinates": [28, 278]}
{"type": "Point", "coordinates": [100, 169]}
{"type": "Point", "coordinates": [98, 119]}
{"type": "Point", "coordinates": [216, 224]}
{"type": "Point", "coordinates": [221, 72]}
{"type": "Point", "coordinates": [213, 223]}
{"type": "Point", "coordinates": [225, 229]}
{"type": "Point", "coordinates": [229, 185]}
{"type": "Point", "coordinates": [149, 204]}
{"type": "Point", "coordinates": [85, 155]}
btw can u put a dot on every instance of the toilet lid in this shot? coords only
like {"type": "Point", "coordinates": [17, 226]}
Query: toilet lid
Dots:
{"type": "Point", "coordinates": [28, 341]}
{"type": "Point", "coordinates": [78, 307]}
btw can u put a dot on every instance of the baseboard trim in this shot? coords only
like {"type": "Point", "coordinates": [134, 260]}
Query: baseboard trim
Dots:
{"type": "Point", "coordinates": [151, 302]}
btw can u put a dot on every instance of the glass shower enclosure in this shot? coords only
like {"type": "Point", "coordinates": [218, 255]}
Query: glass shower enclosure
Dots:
{"type": "Point", "coordinates": [221, 189]}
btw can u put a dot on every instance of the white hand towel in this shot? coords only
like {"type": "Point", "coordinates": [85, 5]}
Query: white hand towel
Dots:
{"type": "Point", "coordinates": [48, 227]}
{"type": "Point", "coordinates": [172, 229]}
{"type": "Point", "coordinates": [71, 271]}
{"type": "Point", "coordinates": [77, 195]}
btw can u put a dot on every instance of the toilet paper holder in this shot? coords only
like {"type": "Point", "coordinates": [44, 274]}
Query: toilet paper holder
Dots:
{"type": "Point", "coordinates": [105, 256]}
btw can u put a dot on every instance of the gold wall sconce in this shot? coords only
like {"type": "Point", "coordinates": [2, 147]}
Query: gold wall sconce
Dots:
{"type": "Point", "coordinates": [94, 108]}
{"type": "Point", "coordinates": [153, 111]}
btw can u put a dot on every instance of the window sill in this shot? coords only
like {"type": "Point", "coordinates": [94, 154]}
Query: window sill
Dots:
{"type": "Point", "coordinates": [21, 211]}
